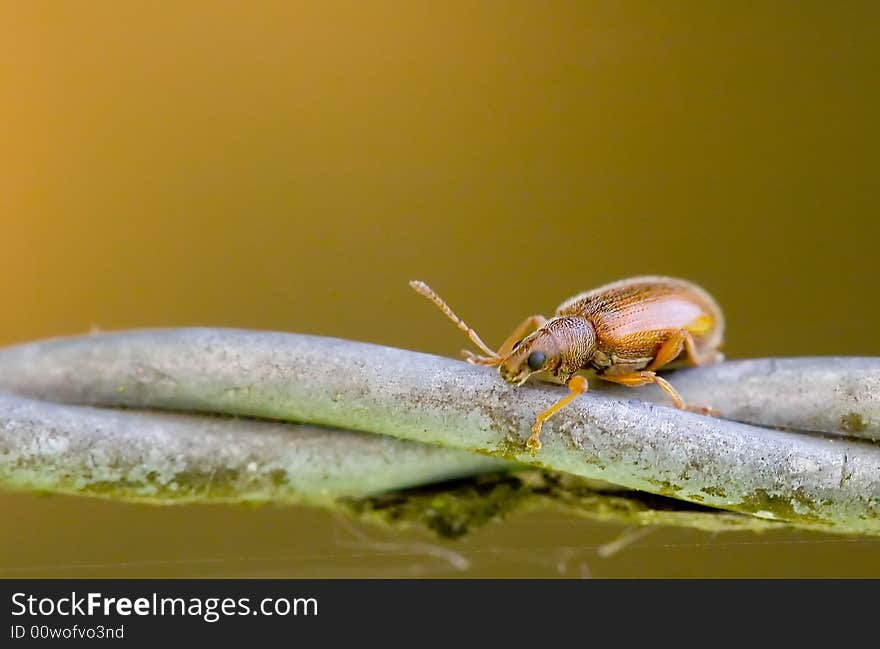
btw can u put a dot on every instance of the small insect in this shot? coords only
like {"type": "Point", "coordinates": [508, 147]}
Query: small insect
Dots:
{"type": "Point", "coordinates": [625, 331]}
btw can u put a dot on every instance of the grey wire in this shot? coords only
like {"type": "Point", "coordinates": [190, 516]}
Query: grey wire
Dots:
{"type": "Point", "coordinates": [829, 481]}
{"type": "Point", "coordinates": [180, 458]}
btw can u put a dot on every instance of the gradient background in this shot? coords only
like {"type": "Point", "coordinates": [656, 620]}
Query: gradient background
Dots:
{"type": "Point", "coordinates": [291, 165]}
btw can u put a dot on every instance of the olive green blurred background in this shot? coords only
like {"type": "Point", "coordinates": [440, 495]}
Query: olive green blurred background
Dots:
{"type": "Point", "coordinates": [291, 165]}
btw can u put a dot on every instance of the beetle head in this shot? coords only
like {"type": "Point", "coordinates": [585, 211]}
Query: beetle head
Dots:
{"type": "Point", "coordinates": [560, 348]}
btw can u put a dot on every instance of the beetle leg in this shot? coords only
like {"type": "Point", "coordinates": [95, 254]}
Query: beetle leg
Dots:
{"type": "Point", "coordinates": [695, 357]}
{"type": "Point", "coordinates": [670, 349]}
{"type": "Point", "coordinates": [634, 379]}
{"type": "Point", "coordinates": [524, 328]}
{"type": "Point", "coordinates": [475, 359]}
{"type": "Point", "coordinates": [577, 385]}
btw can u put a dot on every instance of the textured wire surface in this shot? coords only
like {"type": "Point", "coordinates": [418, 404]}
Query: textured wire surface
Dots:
{"type": "Point", "coordinates": [826, 480]}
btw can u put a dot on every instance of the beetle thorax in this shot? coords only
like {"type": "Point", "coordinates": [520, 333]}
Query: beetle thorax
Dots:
{"type": "Point", "coordinates": [576, 340]}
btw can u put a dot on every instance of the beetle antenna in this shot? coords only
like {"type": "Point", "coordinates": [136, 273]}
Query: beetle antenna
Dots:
{"type": "Point", "coordinates": [423, 289]}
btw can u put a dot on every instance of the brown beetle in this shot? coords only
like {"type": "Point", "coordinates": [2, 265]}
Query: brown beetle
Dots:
{"type": "Point", "coordinates": [624, 331]}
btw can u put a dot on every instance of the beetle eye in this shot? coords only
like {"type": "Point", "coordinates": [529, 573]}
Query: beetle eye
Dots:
{"type": "Point", "coordinates": [536, 360]}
